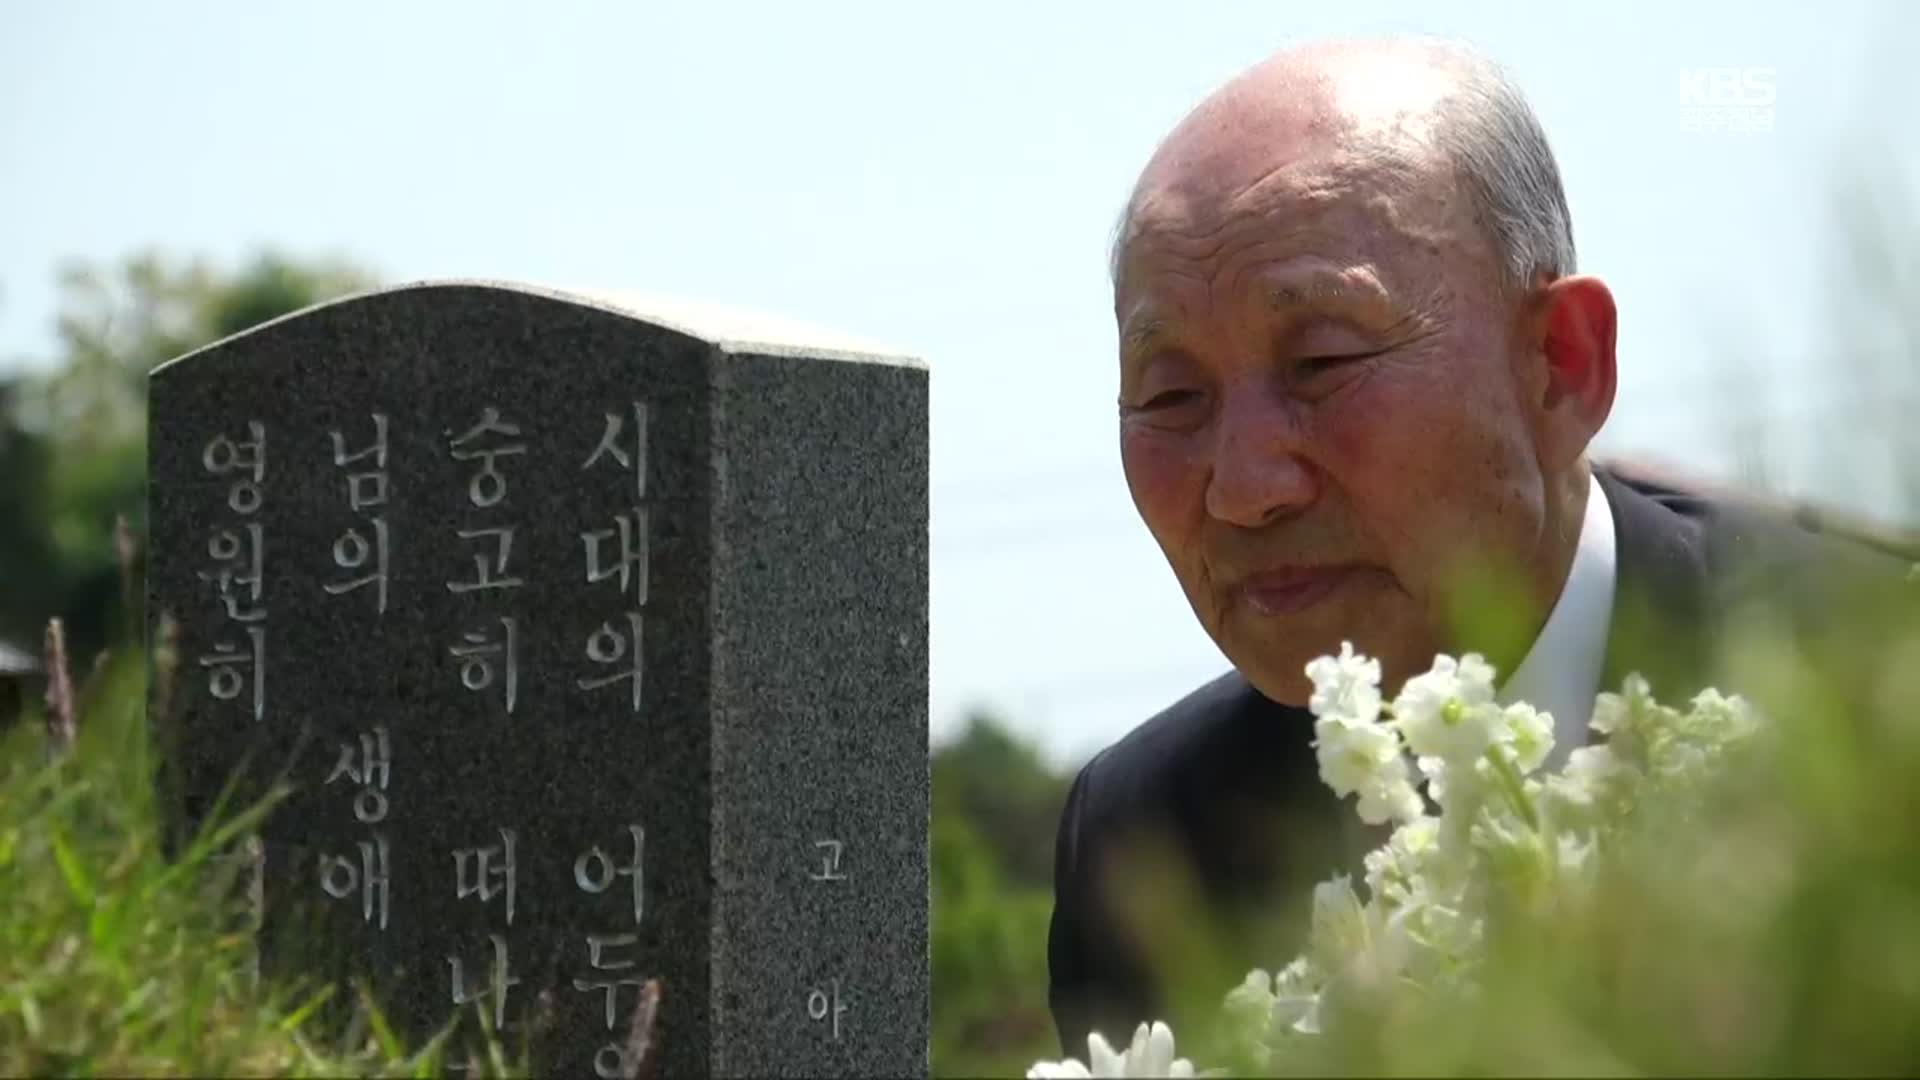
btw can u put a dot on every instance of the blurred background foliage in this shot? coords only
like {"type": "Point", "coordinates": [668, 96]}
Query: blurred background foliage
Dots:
{"type": "Point", "coordinates": [73, 428]}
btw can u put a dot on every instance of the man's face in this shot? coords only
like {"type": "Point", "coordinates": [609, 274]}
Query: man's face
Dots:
{"type": "Point", "coordinates": [1322, 418]}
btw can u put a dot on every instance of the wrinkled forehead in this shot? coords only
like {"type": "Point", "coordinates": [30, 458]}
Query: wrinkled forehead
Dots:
{"type": "Point", "coordinates": [1348, 202]}
{"type": "Point", "coordinates": [1306, 182]}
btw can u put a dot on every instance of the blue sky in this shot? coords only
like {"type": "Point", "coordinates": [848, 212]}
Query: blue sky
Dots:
{"type": "Point", "coordinates": [939, 177]}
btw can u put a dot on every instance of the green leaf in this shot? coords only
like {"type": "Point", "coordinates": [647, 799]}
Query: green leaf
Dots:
{"type": "Point", "coordinates": [78, 883]}
{"type": "Point", "coordinates": [429, 1062]}
{"type": "Point", "coordinates": [389, 1042]}
{"type": "Point", "coordinates": [107, 927]}
{"type": "Point", "coordinates": [30, 1016]}
{"type": "Point", "coordinates": [293, 1020]}
{"type": "Point", "coordinates": [136, 1002]}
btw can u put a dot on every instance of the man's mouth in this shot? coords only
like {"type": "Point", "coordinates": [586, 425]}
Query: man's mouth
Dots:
{"type": "Point", "coordinates": [1291, 589]}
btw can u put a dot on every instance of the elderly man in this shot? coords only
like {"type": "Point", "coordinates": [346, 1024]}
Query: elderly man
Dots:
{"type": "Point", "coordinates": [1358, 379]}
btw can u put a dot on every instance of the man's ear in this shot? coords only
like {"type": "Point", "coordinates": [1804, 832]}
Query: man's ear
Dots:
{"type": "Point", "coordinates": [1574, 326]}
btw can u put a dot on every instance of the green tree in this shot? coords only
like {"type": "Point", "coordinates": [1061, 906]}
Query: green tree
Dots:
{"type": "Point", "coordinates": [996, 805]}
{"type": "Point", "coordinates": [1000, 784]}
{"type": "Point", "coordinates": [73, 440]}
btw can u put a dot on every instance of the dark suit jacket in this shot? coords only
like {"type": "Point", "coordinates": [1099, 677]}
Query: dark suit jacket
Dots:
{"type": "Point", "coordinates": [1188, 850]}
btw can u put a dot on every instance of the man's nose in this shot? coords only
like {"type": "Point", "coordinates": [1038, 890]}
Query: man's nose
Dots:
{"type": "Point", "coordinates": [1259, 473]}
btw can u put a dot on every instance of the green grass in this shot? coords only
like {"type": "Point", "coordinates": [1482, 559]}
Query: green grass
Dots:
{"type": "Point", "coordinates": [117, 961]}
{"type": "Point", "coordinates": [1776, 931]}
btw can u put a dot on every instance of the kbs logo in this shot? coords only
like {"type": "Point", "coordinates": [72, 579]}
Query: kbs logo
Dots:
{"type": "Point", "coordinates": [1733, 99]}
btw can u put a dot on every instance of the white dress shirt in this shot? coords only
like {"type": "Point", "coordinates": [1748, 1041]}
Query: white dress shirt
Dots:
{"type": "Point", "coordinates": [1561, 672]}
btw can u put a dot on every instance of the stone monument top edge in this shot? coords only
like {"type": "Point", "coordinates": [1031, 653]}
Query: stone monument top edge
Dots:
{"type": "Point", "coordinates": [739, 329]}
{"type": "Point", "coordinates": [731, 328]}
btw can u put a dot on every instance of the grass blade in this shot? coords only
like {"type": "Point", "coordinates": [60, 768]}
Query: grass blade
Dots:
{"type": "Point", "coordinates": [71, 869]}
{"type": "Point", "coordinates": [377, 1020]}
{"type": "Point", "coordinates": [299, 1016]}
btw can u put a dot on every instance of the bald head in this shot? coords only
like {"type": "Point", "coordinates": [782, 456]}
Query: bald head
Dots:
{"type": "Point", "coordinates": [1429, 111]}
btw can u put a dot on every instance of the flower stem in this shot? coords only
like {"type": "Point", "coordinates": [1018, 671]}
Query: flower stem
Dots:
{"type": "Point", "coordinates": [1510, 784]}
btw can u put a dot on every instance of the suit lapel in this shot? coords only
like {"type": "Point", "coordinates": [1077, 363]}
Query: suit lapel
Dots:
{"type": "Point", "coordinates": [1660, 608]}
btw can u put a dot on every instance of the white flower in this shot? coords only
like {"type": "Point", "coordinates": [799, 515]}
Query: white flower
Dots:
{"type": "Point", "coordinates": [1435, 770]}
{"type": "Point", "coordinates": [1395, 871]}
{"type": "Point", "coordinates": [1151, 1055]}
{"type": "Point", "coordinates": [1352, 940]}
{"type": "Point", "coordinates": [1347, 686]}
{"type": "Point", "coordinates": [1269, 1009]}
{"type": "Point", "coordinates": [1625, 712]}
{"type": "Point", "coordinates": [1720, 718]}
{"type": "Point", "coordinates": [1252, 1001]}
{"type": "Point", "coordinates": [1476, 679]}
{"type": "Point", "coordinates": [1365, 758]}
{"type": "Point", "coordinates": [1680, 760]}
{"type": "Point", "coordinates": [1448, 931]}
{"type": "Point", "coordinates": [1530, 734]}
{"type": "Point", "coordinates": [1296, 1000]}
{"type": "Point", "coordinates": [1514, 858]}
{"type": "Point", "coordinates": [1609, 712]}
{"type": "Point", "coordinates": [1590, 770]}
{"type": "Point", "coordinates": [1420, 701]}
{"type": "Point", "coordinates": [1350, 754]}
{"type": "Point", "coordinates": [1501, 837]}
{"type": "Point", "coordinates": [1575, 854]}
{"type": "Point", "coordinates": [1449, 711]}
{"type": "Point", "coordinates": [1458, 787]}
{"type": "Point", "coordinates": [1390, 796]}
{"type": "Point", "coordinates": [1249, 1009]}
{"type": "Point", "coordinates": [1339, 928]}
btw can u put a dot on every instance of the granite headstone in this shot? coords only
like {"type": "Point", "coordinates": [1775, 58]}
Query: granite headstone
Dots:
{"type": "Point", "coordinates": [591, 636]}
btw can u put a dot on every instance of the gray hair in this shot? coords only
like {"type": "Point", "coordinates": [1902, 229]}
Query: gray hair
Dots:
{"type": "Point", "coordinates": [1499, 152]}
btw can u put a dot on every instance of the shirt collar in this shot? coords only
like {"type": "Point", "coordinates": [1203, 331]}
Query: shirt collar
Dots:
{"type": "Point", "coordinates": [1561, 672]}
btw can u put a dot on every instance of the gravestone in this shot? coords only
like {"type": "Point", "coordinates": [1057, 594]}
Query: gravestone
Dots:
{"type": "Point", "coordinates": [592, 642]}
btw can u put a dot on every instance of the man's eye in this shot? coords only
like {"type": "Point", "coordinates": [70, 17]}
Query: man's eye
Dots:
{"type": "Point", "coordinates": [1168, 399]}
{"type": "Point", "coordinates": [1314, 365]}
